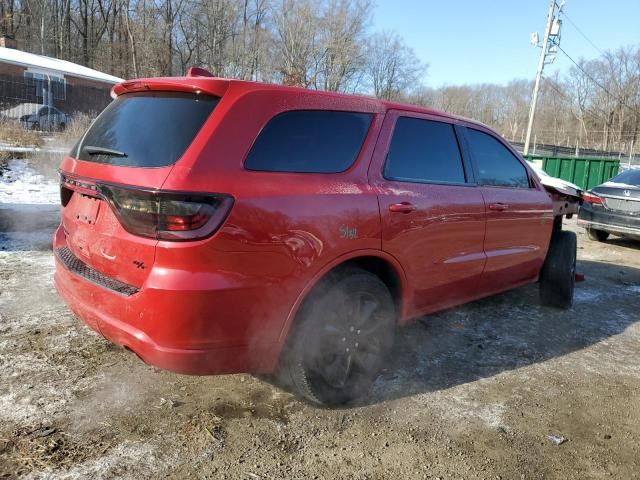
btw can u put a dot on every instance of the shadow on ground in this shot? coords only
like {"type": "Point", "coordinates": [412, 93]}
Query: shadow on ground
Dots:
{"type": "Point", "coordinates": [506, 332]}
{"type": "Point", "coordinates": [624, 242]}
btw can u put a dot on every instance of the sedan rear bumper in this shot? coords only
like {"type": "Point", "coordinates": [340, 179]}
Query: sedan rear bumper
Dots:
{"type": "Point", "coordinates": [616, 223]}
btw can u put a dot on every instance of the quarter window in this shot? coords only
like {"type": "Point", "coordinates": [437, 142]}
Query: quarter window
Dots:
{"type": "Point", "coordinates": [424, 151]}
{"type": "Point", "coordinates": [309, 141]}
{"type": "Point", "coordinates": [497, 166]}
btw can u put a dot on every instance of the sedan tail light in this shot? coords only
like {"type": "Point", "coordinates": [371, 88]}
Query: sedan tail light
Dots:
{"type": "Point", "coordinates": [592, 198]}
{"type": "Point", "coordinates": [167, 215]}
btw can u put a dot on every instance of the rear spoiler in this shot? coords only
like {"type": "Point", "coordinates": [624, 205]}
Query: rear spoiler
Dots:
{"type": "Point", "coordinates": [198, 84]}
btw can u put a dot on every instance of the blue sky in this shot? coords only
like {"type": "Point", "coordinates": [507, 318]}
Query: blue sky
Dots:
{"type": "Point", "coordinates": [476, 41]}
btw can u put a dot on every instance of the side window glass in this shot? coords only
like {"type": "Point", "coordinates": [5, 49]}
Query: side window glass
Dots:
{"type": "Point", "coordinates": [497, 166]}
{"type": "Point", "coordinates": [424, 151]}
{"type": "Point", "coordinates": [309, 141]}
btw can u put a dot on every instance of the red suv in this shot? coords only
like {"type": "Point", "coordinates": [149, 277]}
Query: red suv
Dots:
{"type": "Point", "coordinates": [217, 226]}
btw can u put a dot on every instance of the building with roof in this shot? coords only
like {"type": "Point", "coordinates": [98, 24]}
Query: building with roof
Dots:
{"type": "Point", "coordinates": [30, 79]}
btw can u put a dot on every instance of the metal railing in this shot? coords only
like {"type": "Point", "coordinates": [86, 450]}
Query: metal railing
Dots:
{"type": "Point", "coordinates": [546, 150]}
{"type": "Point", "coordinates": [37, 106]}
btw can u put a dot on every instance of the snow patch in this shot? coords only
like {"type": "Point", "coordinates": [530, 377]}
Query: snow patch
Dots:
{"type": "Point", "coordinates": [461, 407]}
{"type": "Point", "coordinates": [586, 296]}
{"type": "Point", "coordinates": [117, 463]}
{"type": "Point", "coordinates": [21, 184]}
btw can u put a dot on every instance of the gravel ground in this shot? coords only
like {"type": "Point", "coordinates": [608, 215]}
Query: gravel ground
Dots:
{"type": "Point", "coordinates": [473, 392]}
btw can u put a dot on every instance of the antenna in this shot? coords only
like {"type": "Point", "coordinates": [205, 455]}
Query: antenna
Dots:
{"type": "Point", "coordinates": [534, 39]}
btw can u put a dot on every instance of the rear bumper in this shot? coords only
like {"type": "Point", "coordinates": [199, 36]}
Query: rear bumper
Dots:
{"type": "Point", "coordinates": [606, 220]}
{"type": "Point", "coordinates": [177, 329]}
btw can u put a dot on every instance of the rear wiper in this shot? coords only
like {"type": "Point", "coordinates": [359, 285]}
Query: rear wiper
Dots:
{"type": "Point", "coordinates": [91, 150]}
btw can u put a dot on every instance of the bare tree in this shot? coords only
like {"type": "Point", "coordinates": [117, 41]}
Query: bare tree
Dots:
{"type": "Point", "coordinates": [327, 45]}
{"type": "Point", "coordinates": [298, 32]}
{"type": "Point", "coordinates": [343, 30]}
{"type": "Point", "coordinates": [392, 67]}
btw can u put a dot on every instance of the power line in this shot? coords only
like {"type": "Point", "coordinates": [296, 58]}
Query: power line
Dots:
{"type": "Point", "coordinates": [582, 33]}
{"type": "Point", "coordinates": [622, 102]}
{"type": "Point", "coordinates": [621, 136]}
{"type": "Point", "coordinates": [551, 83]}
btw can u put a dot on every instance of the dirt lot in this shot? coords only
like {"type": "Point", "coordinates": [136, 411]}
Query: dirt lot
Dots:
{"type": "Point", "coordinates": [473, 392]}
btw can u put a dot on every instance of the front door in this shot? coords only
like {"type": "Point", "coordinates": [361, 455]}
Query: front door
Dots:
{"type": "Point", "coordinates": [518, 209]}
{"type": "Point", "coordinates": [433, 215]}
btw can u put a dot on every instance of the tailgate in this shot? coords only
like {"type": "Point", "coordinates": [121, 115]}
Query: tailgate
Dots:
{"type": "Point", "coordinates": [95, 236]}
{"type": "Point", "coordinates": [133, 144]}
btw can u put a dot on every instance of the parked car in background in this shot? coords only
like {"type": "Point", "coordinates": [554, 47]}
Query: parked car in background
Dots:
{"type": "Point", "coordinates": [45, 118]}
{"type": "Point", "coordinates": [613, 208]}
{"type": "Point", "coordinates": [34, 116]}
{"type": "Point", "coordinates": [217, 226]}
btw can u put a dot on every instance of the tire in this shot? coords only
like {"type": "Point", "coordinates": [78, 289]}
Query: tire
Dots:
{"type": "Point", "coordinates": [35, 126]}
{"type": "Point", "coordinates": [597, 235]}
{"type": "Point", "coordinates": [558, 275]}
{"type": "Point", "coordinates": [342, 335]}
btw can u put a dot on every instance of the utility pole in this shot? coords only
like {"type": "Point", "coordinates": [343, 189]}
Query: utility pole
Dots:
{"type": "Point", "coordinates": [551, 36]}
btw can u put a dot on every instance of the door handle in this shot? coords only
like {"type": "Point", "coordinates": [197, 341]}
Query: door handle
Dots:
{"type": "Point", "coordinates": [499, 207]}
{"type": "Point", "coordinates": [402, 207]}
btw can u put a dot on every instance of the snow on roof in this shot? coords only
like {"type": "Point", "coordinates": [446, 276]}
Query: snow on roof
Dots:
{"type": "Point", "coordinates": [18, 57]}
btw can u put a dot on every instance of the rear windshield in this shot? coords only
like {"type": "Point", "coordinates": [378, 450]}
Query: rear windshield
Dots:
{"type": "Point", "coordinates": [145, 129]}
{"type": "Point", "coordinates": [628, 177]}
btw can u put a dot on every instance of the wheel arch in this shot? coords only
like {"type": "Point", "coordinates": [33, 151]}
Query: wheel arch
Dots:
{"type": "Point", "coordinates": [381, 264]}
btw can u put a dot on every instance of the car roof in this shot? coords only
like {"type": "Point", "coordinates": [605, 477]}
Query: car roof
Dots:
{"type": "Point", "coordinates": [219, 86]}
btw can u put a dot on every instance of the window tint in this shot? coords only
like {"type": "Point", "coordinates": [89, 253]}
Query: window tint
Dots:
{"type": "Point", "coordinates": [496, 165]}
{"type": "Point", "coordinates": [423, 151]}
{"type": "Point", "coordinates": [309, 141]}
{"type": "Point", "coordinates": [151, 129]}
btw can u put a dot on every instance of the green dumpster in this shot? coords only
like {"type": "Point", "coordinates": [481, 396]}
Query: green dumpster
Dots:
{"type": "Point", "coordinates": [584, 172]}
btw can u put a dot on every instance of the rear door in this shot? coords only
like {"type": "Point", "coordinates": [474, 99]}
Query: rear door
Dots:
{"type": "Point", "coordinates": [519, 212]}
{"type": "Point", "coordinates": [432, 212]}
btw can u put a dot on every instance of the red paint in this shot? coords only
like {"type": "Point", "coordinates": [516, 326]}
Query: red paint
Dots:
{"type": "Point", "coordinates": [226, 303]}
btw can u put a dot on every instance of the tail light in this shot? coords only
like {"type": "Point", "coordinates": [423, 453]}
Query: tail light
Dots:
{"type": "Point", "coordinates": [592, 198]}
{"type": "Point", "coordinates": [167, 215]}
